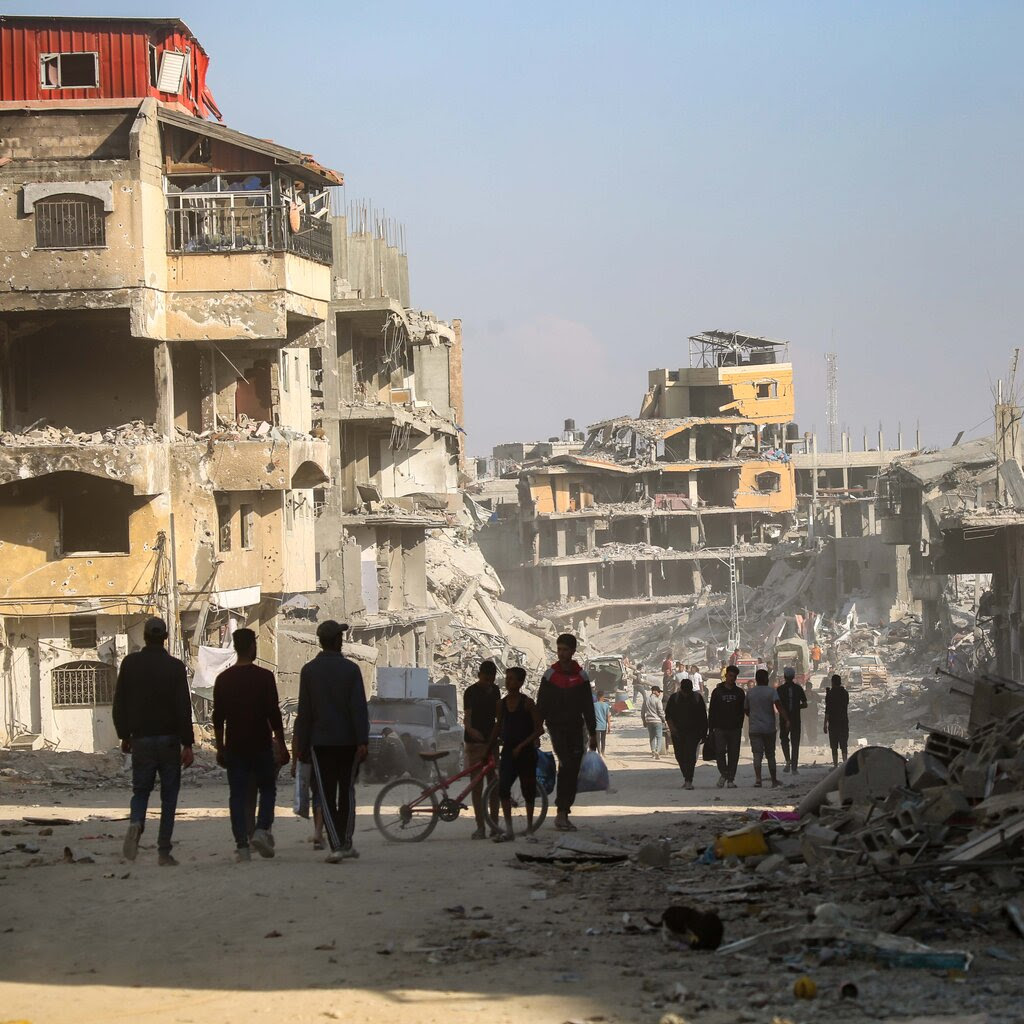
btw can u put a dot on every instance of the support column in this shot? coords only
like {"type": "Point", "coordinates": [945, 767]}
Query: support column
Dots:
{"type": "Point", "coordinates": [560, 551]}
{"type": "Point", "coordinates": [208, 388]}
{"type": "Point", "coordinates": [650, 578]}
{"type": "Point", "coordinates": [592, 584]}
{"type": "Point", "coordinates": [163, 386]}
{"type": "Point", "coordinates": [563, 583]}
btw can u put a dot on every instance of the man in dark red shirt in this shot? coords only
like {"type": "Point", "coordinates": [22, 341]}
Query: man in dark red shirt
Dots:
{"type": "Point", "coordinates": [245, 702]}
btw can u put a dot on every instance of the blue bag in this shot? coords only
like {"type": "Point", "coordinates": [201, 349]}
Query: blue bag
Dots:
{"type": "Point", "coordinates": [594, 777]}
{"type": "Point", "coordinates": [546, 771]}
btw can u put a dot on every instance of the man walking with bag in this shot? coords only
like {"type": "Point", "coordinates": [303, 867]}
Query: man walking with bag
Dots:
{"type": "Point", "coordinates": [566, 706]}
{"type": "Point", "coordinates": [332, 730]}
{"type": "Point", "coordinates": [246, 708]}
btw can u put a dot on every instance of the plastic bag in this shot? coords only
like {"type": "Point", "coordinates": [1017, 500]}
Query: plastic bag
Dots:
{"type": "Point", "coordinates": [300, 802]}
{"type": "Point", "coordinates": [546, 771]}
{"type": "Point", "coordinates": [594, 777]}
{"type": "Point", "coordinates": [709, 753]}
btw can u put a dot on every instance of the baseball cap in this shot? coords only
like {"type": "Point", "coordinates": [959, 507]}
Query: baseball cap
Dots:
{"type": "Point", "coordinates": [155, 628]}
{"type": "Point", "coordinates": [328, 631]}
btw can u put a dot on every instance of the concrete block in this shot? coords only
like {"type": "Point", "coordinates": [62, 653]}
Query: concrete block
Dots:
{"type": "Point", "coordinates": [926, 770]}
{"type": "Point", "coordinates": [943, 803]}
{"type": "Point", "coordinates": [872, 773]}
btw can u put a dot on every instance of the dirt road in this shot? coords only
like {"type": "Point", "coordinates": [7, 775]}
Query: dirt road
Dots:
{"type": "Point", "coordinates": [296, 939]}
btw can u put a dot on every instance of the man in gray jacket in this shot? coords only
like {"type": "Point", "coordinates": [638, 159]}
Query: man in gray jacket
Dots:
{"type": "Point", "coordinates": [332, 730]}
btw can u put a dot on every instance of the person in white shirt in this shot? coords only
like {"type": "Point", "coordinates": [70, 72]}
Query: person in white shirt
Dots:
{"type": "Point", "coordinates": [697, 679]}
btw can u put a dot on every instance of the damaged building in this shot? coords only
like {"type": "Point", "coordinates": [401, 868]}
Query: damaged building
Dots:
{"type": "Point", "coordinates": [854, 567]}
{"type": "Point", "coordinates": [693, 493]}
{"type": "Point", "coordinates": [390, 384]}
{"type": "Point", "coordinates": [163, 282]}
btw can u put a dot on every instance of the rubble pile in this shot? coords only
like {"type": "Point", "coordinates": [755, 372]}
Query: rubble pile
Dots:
{"type": "Point", "coordinates": [41, 434]}
{"type": "Point", "coordinates": [28, 770]}
{"type": "Point", "coordinates": [479, 624]}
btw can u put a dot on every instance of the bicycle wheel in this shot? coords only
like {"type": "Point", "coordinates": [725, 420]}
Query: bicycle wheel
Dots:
{"type": "Point", "coordinates": [496, 817]}
{"type": "Point", "coordinates": [404, 812]}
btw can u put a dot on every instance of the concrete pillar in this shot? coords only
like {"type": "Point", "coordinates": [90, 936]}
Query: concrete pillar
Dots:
{"type": "Point", "coordinates": [208, 388]}
{"type": "Point", "coordinates": [563, 583]}
{"type": "Point", "coordinates": [692, 446]}
{"type": "Point", "coordinates": [698, 581]}
{"type": "Point", "coordinates": [559, 539]}
{"type": "Point", "coordinates": [647, 529]}
{"type": "Point", "coordinates": [592, 583]}
{"type": "Point", "coordinates": [649, 566]}
{"type": "Point", "coordinates": [694, 536]}
{"type": "Point", "coordinates": [163, 384]}
{"type": "Point", "coordinates": [837, 521]}
{"type": "Point", "coordinates": [871, 519]}
{"type": "Point", "coordinates": [881, 440]}
{"type": "Point", "coordinates": [591, 535]}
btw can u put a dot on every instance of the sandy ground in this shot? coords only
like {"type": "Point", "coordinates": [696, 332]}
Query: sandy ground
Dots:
{"type": "Point", "coordinates": [297, 939]}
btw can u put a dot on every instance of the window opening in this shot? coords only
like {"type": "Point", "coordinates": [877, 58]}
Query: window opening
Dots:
{"type": "Point", "coordinates": [768, 482]}
{"type": "Point", "coordinates": [70, 222]}
{"type": "Point", "coordinates": [248, 517]}
{"type": "Point", "coordinates": [69, 70]}
{"type": "Point", "coordinates": [82, 632]}
{"type": "Point", "coordinates": [768, 389]}
{"type": "Point", "coordinates": [82, 684]}
{"type": "Point", "coordinates": [94, 520]}
{"type": "Point", "coordinates": [223, 524]}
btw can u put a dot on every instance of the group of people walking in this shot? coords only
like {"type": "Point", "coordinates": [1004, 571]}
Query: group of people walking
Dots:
{"type": "Point", "coordinates": [152, 714]}
{"type": "Point", "coordinates": [153, 717]}
{"type": "Point", "coordinates": [771, 715]}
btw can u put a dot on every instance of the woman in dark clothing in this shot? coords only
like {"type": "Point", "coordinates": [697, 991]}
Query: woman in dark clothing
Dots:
{"type": "Point", "coordinates": [687, 717]}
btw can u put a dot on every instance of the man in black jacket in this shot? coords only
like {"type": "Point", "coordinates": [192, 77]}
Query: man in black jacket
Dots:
{"type": "Point", "coordinates": [566, 705]}
{"type": "Point", "coordinates": [688, 723]}
{"type": "Point", "coordinates": [725, 718]}
{"type": "Point", "coordinates": [837, 718]}
{"type": "Point", "coordinates": [332, 730]}
{"type": "Point", "coordinates": [792, 700]}
{"type": "Point", "coordinates": [153, 719]}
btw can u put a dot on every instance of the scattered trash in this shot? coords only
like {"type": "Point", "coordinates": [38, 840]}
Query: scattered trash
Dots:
{"type": "Point", "coordinates": [805, 988]}
{"type": "Point", "coordinates": [700, 929]}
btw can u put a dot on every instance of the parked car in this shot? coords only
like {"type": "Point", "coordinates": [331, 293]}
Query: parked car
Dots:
{"type": "Point", "coordinates": [401, 729]}
{"type": "Point", "coordinates": [863, 669]}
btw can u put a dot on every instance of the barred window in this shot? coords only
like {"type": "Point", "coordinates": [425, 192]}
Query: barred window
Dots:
{"type": "Point", "coordinates": [83, 684]}
{"type": "Point", "coordinates": [70, 222]}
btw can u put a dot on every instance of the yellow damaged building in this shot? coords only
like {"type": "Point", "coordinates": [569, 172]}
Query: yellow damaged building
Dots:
{"type": "Point", "coordinates": [658, 508]}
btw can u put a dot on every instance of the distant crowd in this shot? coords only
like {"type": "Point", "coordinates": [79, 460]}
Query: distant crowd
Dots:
{"type": "Point", "coordinates": [153, 716]}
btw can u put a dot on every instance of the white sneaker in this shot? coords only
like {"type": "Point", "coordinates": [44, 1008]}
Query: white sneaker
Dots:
{"type": "Point", "coordinates": [262, 842]}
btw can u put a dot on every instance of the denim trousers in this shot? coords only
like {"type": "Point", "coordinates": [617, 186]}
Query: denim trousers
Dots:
{"type": "Point", "coordinates": [247, 771]}
{"type": "Point", "coordinates": [152, 756]}
{"type": "Point", "coordinates": [656, 734]}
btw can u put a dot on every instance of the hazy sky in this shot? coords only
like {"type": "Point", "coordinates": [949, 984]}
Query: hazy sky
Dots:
{"type": "Point", "coordinates": [587, 184]}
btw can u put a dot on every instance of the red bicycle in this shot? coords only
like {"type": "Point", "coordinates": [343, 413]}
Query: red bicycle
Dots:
{"type": "Point", "coordinates": [408, 810]}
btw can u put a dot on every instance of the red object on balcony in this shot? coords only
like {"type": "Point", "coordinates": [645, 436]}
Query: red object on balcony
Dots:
{"type": "Point", "coordinates": [67, 60]}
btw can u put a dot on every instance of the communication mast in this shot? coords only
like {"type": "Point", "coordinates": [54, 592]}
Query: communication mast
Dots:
{"type": "Point", "coordinates": [832, 401]}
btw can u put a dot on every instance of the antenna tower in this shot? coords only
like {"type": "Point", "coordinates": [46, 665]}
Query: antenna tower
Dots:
{"type": "Point", "coordinates": [832, 401]}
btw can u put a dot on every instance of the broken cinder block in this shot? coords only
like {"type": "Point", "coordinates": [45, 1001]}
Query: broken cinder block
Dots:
{"type": "Point", "coordinates": [926, 770]}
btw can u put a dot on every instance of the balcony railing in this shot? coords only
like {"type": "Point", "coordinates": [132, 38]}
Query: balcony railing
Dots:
{"type": "Point", "coordinates": [219, 229]}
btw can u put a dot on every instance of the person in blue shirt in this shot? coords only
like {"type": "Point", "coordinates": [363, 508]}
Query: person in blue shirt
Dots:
{"type": "Point", "coordinates": [603, 717]}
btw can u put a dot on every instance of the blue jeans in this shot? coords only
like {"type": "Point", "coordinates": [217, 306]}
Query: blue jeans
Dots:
{"type": "Point", "coordinates": [655, 732]}
{"type": "Point", "coordinates": [246, 771]}
{"type": "Point", "coordinates": [152, 755]}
